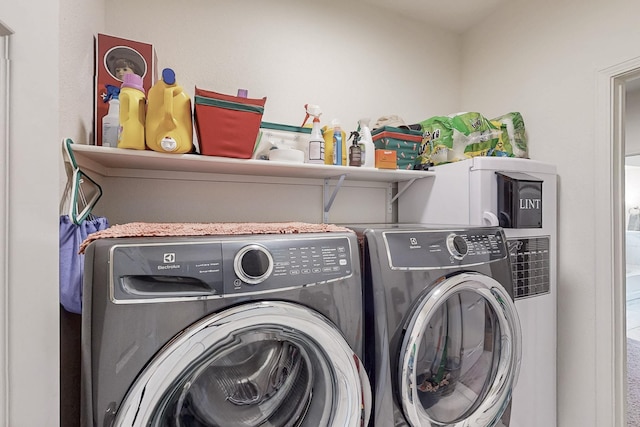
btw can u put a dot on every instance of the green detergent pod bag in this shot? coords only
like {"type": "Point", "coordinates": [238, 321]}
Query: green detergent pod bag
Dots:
{"type": "Point", "coordinates": [474, 135]}
{"type": "Point", "coordinates": [513, 124]}
{"type": "Point", "coordinates": [437, 140]}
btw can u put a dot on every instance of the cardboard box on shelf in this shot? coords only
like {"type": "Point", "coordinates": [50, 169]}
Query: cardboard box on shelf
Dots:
{"type": "Point", "coordinates": [114, 57]}
{"type": "Point", "coordinates": [386, 159]}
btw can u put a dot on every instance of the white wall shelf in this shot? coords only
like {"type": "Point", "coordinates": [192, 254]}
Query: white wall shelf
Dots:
{"type": "Point", "coordinates": [109, 161]}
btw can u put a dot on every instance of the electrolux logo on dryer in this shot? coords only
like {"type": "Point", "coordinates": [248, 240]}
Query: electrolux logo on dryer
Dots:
{"type": "Point", "coordinates": [169, 259]}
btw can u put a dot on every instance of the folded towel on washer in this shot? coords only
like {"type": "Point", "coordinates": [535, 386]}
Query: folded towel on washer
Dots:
{"type": "Point", "coordinates": [149, 229]}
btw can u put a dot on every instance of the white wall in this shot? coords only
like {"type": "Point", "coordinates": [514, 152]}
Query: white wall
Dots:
{"type": "Point", "coordinates": [352, 61]}
{"type": "Point", "coordinates": [542, 59]}
{"type": "Point", "coordinates": [80, 20]}
{"type": "Point", "coordinates": [32, 381]}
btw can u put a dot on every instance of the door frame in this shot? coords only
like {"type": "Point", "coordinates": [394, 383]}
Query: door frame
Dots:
{"type": "Point", "coordinates": [609, 270]}
{"type": "Point", "coordinates": [5, 86]}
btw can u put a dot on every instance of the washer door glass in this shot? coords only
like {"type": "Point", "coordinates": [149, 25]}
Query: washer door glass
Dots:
{"type": "Point", "coordinates": [460, 355]}
{"type": "Point", "coordinates": [259, 364]}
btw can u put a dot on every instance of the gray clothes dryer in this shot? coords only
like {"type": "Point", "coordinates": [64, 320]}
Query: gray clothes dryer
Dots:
{"type": "Point", "coordinates": [232, 331]}
{"type": "Point", "coordinates": [442, 334]}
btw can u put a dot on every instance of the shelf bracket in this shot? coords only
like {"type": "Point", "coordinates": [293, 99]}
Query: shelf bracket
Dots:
{"type": "Point", "coordinates": [402, 191]}
{"type": "Point", "coordinates": [328, 200]}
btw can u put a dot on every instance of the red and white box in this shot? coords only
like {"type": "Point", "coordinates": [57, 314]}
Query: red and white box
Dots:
{"type": "Point", "coordinates": [115, 56]}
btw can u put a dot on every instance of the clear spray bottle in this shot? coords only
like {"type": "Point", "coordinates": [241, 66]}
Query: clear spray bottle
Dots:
{"type": "Point", "coordinates": [316, 141]}
{"type": "Point", "coordinates": [111, 122]}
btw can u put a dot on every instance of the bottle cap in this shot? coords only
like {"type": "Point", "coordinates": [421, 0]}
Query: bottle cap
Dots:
{"type": "Point", "coordinates": [112, 92]}
{"type": "Point", "coordinates": [132, 80]}
{"type": "Point", "coordinates": [168, 76]}
{"type": "Point", "coordinates": [243, 93]}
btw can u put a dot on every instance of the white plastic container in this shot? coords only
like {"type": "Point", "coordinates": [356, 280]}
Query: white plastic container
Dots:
{"type": "Point", "coordinates": [281, 136]}
{"type": "Point", "coordinates": [289, 155]}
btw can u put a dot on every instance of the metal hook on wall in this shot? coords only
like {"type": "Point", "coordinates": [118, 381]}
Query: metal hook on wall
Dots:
{"type": "Point", "coordinates": [78, 197]}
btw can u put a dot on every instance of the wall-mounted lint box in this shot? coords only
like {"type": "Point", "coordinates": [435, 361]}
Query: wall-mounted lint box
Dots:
{"type": "Point", "coordinates": [115, 57]}
{"type": "Point", "coordinates": [519, 200]}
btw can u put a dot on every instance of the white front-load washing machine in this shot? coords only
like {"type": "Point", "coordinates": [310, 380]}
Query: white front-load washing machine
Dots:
{"type": "Point", "coordinates": [230, 331]}
{"type": "Point", "coordinates": [442, 343]}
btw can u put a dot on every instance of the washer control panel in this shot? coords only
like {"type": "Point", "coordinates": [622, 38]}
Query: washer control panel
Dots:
{"type": "Point", "coordinates": [457, 246]}
{"type": "Point", "coordinates": [285, 263]}
{"type": "Point", "coordinates": [207, 268]}
{"type": "Point", "coordinates": [435, 249]}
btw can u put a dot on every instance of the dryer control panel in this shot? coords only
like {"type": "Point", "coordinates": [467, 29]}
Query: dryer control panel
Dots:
{"type": "Point", "coordinates": [207, 268]}
{"type": "Point", "coordinates": [436, 249]}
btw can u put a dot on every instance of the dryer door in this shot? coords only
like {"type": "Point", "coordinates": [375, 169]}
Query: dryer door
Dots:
{"type": "Point", "coordinates": [258, 364]}
{"type": "Point", "coordinates": [460, 354]}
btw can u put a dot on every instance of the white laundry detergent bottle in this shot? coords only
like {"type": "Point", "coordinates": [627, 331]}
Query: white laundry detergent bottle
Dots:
{"type": "Point", "coordinates": [368, 154]}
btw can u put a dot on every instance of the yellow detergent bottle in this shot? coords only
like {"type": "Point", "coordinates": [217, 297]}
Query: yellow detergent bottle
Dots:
{"type": "Point", "coordinates": [169, 126]}
{"type": "Point", "coordinates": [132, 113]}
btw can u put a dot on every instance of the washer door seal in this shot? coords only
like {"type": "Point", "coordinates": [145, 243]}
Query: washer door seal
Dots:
{"type": "Point", "coordinates": [460, 355]}
{"type": "Point", "coordinates": [258, 362]}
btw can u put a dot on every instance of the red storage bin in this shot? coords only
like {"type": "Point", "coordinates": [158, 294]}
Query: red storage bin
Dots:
{"type": "Point", "coordinates": [227, 125]}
